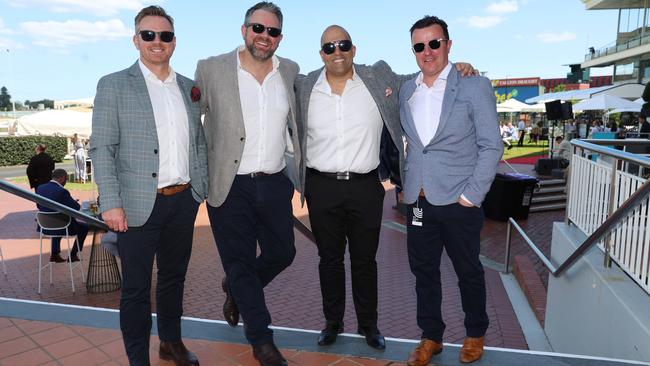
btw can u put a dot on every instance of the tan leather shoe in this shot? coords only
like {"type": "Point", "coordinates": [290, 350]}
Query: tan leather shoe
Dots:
{"type": "Point", "coordinates": [422, 354]}
{"type": "Point", "coordinates": [472, 349]}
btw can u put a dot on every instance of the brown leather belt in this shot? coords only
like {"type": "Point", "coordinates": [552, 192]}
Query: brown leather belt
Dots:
{"type": "Point", "coordinates": [344, 175]}
{"type": "Point", "coordinates": [172, 190]}
{"type": "Point", "coordinates": [422, 193]}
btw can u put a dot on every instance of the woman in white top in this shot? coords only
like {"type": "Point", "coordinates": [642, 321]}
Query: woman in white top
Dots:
{"type": "Point", "coordinates": [79, 159]}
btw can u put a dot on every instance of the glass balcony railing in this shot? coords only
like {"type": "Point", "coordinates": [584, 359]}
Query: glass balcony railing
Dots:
{"type": "Point", "coordinates": [632, 43]}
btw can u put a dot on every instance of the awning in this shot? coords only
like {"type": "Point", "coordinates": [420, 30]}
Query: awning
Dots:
{"type": "Point", "coordinates": [627, 91]}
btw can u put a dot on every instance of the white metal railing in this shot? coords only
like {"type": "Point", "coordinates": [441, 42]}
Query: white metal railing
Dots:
{"type": "Point", "coordinates": [598, 185]}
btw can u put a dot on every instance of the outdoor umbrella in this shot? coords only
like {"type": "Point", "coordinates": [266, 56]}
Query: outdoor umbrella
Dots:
{"type": "Point", "coordinates": [603, 102]}
{"type": "Point", "coordinates": [513, 104]}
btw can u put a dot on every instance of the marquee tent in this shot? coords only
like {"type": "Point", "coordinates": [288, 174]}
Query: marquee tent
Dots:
{"type": "Point", "coordinates": [53, 123]}
{"type": "Point", "coordinates": [604, 101]}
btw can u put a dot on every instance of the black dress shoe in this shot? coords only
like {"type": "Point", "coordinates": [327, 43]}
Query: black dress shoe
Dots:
{"type": "Point", "coordinates": [56, 258]}
{"type": "Point", "coordinates": [73, 258]}
{"type": "Point", "coordinates": [176, 352]}
{"type": "Point", "coordinates": [230, 310]}
{"type": "Point", "coordinates": [268, 355]}
{"type": "Point", "coordinates": [328, 335]}
{"type": "Point", "coordinates": [373, 337]}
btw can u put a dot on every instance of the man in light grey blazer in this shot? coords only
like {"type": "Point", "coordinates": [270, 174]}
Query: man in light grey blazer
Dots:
{"type": "Point", "coordinates": [453, 149]}
{"type": "Point", "coordinates": [149, 154]}
{"type": "Point", "coordinates": [250, 125]}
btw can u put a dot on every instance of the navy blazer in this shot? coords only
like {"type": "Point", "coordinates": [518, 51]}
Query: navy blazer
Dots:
{"type": "Point", "coordinates": [55, 192]}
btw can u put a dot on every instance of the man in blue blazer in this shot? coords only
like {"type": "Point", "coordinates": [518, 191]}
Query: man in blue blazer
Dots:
{"type": "Point", "coordinates": [453, 149]}
{"type": "Point", "coordinates": [149, 154]}
{"type": "Point", "coordinates": [54, 190]}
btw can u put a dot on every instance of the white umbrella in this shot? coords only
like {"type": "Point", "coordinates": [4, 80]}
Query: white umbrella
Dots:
{"type": "Point", "coordinates": [604, 101]}
{"type": "Point", "coordinates": [513, 104]}
{"type": "Point", "coordinates": [539, 107]}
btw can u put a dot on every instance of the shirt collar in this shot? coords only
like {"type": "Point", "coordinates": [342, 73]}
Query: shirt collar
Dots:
{"type": "Point", "coordinates": [324, 86]}
{"type": "Point", "coordinates": [274, 59]}
{"type": "Point", "coordinates": [57, 183]}
{"type": "Point", "coordinates": [444, 74]}
{"type": "Point", "coordinates": [151, 76]}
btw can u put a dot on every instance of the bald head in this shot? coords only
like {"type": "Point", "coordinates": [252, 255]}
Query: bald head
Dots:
{"type": "Point", "coordinates": [334, 30]}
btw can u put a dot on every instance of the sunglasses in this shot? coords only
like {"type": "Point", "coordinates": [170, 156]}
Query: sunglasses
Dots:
{"type": "Point", "coordinates": [344, 45]}
{"type": "Point", "coordinates": [149, 36]}
{"type": "Point", "coordinates": [259, 29]}
{"type": "Point", "coordinates": [434, 44]}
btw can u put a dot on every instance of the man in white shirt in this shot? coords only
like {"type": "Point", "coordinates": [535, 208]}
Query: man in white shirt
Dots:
{"type": "Point", "coordinates": [453, 147]}
{"type": "Point", "coordinates": [249, 106]}
{"type": "Point", "coordinates": [149, 156]}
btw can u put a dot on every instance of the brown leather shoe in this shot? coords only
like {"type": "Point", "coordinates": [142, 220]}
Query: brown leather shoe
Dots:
{"type": "Point", "coordinates": [268, 355]}
{"type": "Point", "coordinates": [422, 354]}
{"type": "Point", "coordinates": [472, 349]}
{"type": "Point", "coordinates": [230, 310]}
{"type": "Point", "coordinates": [176, 352]}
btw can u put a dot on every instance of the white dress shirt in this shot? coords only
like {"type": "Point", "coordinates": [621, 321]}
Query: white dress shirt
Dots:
{"type": "Point", "coordinates": [426, 105]}
{"type": "Point", "coordinates": [172, 128]}
{"type": "Point", "coordinates": [344, 131]}
{"type": "Point", "coordinates": [265, 108]}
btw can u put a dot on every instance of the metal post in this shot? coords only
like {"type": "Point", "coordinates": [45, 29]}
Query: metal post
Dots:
{"type": "Point", "coordinates": [508, 241]}
{"type": "Point", "coordinates": [609, 240]}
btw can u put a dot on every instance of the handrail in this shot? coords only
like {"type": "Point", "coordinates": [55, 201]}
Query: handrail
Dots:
{"type": "Point", "coordinates": [593, 145]}
{"type": "Point", "coordinates": [53, 205]}
{"type": "Point", "coordinates": [610, 224]}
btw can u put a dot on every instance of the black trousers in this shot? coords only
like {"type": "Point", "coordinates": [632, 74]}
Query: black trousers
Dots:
{"type": "Point", "coordinates": [167, 237]}
{"type": "Point", "coordinates": [522, 134]}
{"type": "Point", "coordinates": [457, 229]}
{"type": "Point", "coordinates": [257, 211]}
{"type": "Point", "coordinates": [76, 227]}
{"type": "Point", "coordinates": [352, 209]}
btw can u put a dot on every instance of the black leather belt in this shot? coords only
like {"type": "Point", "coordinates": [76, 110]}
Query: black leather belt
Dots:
{"type": "Point", "coordinates": [256, 174]}
{"type": "Point", "coordinates": [344, 175]}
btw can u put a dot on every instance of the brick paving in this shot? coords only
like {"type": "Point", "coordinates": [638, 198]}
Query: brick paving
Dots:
{"type": "Point", "coordinates": [294, 297]}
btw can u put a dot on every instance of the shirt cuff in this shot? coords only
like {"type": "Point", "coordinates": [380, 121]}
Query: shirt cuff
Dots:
{"type": "Point", "coordinates": [465, 198]}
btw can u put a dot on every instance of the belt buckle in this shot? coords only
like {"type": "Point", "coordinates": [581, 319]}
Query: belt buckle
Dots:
{"type": "Point", "coordinates": [342, 175]}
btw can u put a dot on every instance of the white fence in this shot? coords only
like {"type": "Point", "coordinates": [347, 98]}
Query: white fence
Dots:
{"type": "Point", "coordinates": [589, 206]}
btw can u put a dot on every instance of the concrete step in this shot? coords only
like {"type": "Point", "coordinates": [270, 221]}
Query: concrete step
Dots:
{"type": "Point", "coordinates": [548, 182]}
{"type": "Point", "coordinates": [549, 207]}
{"type": "Point", "coordinates": [550, 189]}
{"type": "Point", "coordinates": [548, 198]}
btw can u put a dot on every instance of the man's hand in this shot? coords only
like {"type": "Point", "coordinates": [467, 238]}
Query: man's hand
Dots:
{"type": "Point", "coordinates": [465, 69]}
{"type": "Point", "coordinates": [115, 219]}
{"type": "Point", "coordinates": [463, 202]}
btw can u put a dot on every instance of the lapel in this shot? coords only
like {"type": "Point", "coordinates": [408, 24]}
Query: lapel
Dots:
{"type": "Point", "coordinates": [305, 94]}
{"type": "Point", "coordinates": [229, 77]}
{"type": "Point", "coordinates": [141, 93]}
{"type": "Point", "coordinates": [408, 124]}
{"type": "Point", "coordinates": [451, 90]}
{"type": "Point", "coordinates": [378, 92]}
{"type": "Point", "coordinates": [189, 107]}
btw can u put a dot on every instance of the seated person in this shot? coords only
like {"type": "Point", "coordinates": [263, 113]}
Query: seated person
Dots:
{"type": "Point", "coordinates": [54, 190]}
{"type": "Point", "coordinates": [508, 135]}
{"type": "Point", "coordinates": [562, 149]}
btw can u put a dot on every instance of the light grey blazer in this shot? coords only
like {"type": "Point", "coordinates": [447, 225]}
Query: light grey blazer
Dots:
{"type": "Point", "coordinates": [377, 79]}
{"type": "Point", "coordinates": [223, 123]}
{"type": "Point", "coordinates": [463, 155]}
{"type": "Point", "coordinates": [124, 144]}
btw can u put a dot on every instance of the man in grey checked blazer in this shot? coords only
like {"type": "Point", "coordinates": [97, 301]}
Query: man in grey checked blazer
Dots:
{"type": "Point", "coordinates": [149, 154]}
{"type": "Point", "coordinates": [453, 149]}
{"type": "Point", "coordinates": [250, 117]}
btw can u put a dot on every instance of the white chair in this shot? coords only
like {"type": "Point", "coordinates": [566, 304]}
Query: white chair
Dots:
{"type": "Point", "coordinates": [57, 222]}
{"type": "Point", "coordinates": [4, 269]}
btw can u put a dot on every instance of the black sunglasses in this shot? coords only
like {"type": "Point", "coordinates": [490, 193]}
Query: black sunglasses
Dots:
{"type": "Point", "coordinates": [149, 36]}
{"type": "Point", "coordinates": [434, 44]}
{"type": "Point", "coordinates": [259, 29]}
{"type": "Point", "coordinates": [329, 48]}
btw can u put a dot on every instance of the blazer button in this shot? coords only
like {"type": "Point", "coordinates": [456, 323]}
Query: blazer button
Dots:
{"type": "Point", "coordinates": [154, 175]}
{"type": "Point", "coordinates": [155, 151]}
{"type": "Point", "coordinates": [236, 161]}
{"type": "Point", "coordinates": [242, 139]}
{"type": "Point", "coordinates": [424, 151]}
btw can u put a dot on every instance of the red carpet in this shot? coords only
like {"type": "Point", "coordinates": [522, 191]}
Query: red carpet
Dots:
{"type": "Point", "coordinates": [526, 159]}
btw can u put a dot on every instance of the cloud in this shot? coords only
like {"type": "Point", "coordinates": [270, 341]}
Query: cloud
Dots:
{"type": "Point", "coordinates": [95, 7]}
{"type": "Point", "coordinates": [6, 43]}
{"type": "Point", "coordinates": [505, 6]}
{"type": "Point", "coordinates": [3, 29]}
{"type": "Point", "coordinates": [73, 32]}
{"type": "Point", "coordinates": [484, 22]}
{"type": "Point", "coordinates": [556, 37]}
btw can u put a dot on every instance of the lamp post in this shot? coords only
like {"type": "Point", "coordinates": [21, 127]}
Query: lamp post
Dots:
{"type": "Point", "coordinates": [11, 72]}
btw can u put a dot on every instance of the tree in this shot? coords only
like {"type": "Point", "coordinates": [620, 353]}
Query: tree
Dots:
{"type": "Point", "coordinates": [5, 99]}
{"type": "Point", "coordinates": [559, 88]}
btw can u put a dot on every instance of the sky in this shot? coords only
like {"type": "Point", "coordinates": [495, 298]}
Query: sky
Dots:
{"type": "Point", "coordinates": [58, 49]}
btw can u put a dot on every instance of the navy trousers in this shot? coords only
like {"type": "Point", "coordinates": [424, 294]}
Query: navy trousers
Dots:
{"type": "Point", "coordinates": [167, 237]}
{"type": "Point", "coordinates": [256, 212]}
{"type": "Point", "coordinates": [76, 227]}
{"type": "Point", "coordinates": [457, 229]}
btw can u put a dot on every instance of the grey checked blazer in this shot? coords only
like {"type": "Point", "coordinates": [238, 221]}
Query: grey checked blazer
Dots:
{"type": "Point", "coordinates": [377, 79]}
{"type": "Point", "coordinates": [223, 123]}
{"type": "Point", "coordinates": [463, 155]}
{"type": "Point", "coordinates": [124, 144]}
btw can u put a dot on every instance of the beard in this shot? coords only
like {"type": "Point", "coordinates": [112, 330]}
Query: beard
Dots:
{"type": "Point", "coordinates": [260, 55]}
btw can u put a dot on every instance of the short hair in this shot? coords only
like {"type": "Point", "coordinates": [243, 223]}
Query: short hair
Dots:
{"type": "Point", "coordinates": [41, 147]}
{"type": "Point", "coordinates": [559, 138]}
{"type": "Point", "coordinates": [428, 21]}
{"type": "Point", "coordinates": [154, 11]}
{"type": "Point", "coordinates": [334, 26]}
{"type": "Point", "coordinates": [266, 6]}
{"type": "Point", "coordinates": [59, 173]}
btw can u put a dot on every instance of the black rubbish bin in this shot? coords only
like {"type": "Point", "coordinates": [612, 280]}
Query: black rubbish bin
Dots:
{"type": "Point", "coordinates": [509, 196]}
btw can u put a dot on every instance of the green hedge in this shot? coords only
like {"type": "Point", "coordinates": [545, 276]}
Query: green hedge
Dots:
{"type": "Point", "coordinates": [18, 150]}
